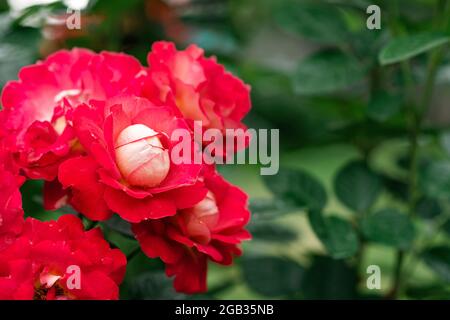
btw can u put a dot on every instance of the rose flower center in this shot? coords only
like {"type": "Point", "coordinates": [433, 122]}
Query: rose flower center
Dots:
{"type": "Point", "coordinates": [48, 287]}
{"type": "Point", "coordinates": [141, 157]}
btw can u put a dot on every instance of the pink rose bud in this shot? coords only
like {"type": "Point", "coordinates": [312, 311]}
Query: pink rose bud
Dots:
{"type": "Point", "coordinates": [201, 218]}
{"type": "Point", "coordinates": [141, 157]}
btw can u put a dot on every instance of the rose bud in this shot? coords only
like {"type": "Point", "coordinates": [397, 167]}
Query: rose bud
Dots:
{"type": "Point", "coordinates": [141, 157]}
{"type": "Point", "coordinates": [201, 218]}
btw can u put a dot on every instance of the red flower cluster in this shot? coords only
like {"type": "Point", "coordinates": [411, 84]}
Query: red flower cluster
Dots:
{"type": "Point", "coordinates": [98, 128]}
{"type": "Point", "coordinates": [44, 262]}
{"type": "Point", "coordinates": [210, 229]}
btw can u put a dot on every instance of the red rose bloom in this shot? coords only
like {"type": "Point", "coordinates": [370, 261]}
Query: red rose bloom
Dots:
{"type": "Point", "coordinates": [11, 213]}
{"type": "Point", "coordinates": [211, 229]}
{"type": "Point", "coordinates": [40, 263]}
{"type": "Point", "coordinates": [200, 88]}
{"type": "Point", "coordinates": [37, 107]}
{"type": "Point", "coordinates": [128, 169]}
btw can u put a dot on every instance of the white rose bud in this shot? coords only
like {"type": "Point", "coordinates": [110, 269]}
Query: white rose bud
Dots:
{"type": "Point", "coordinates": [141, 157]}
{"type": "Point", "coordinates": [201, 218]}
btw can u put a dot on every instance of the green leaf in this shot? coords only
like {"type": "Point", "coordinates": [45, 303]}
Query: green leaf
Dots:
{"type": "Point", "coordinates": [383, 106]}
{"type": "Point", "coordinates": [327, 278]}
{"type": "Point", "coordinates": [341, 240]}
{"type": "Point", "coordinates": [31, 192]}
{"type": "Point", "coordinates": [317, 22]}
{"type": "Point", "coordinates": [18, 47]}
{"type": "Point", "coordinates": [409, 46]}
{"type": "Point", "coordinates": [126, 244]}
{"type": "Point", "coordinates": [428, 208]}
{"type": "Point", "coordinates": [297, 187]}
{"type": "Point", "coordinates": [446, 227]}
{"type": "Point", "coordinates": [445, 141]}
{"type": "Point", "coordinates": [326, 72]}
{"type": "Point", "coordinates": [396, 187]}
{"type": "Point", "coordinates": [33, 204]}
{"type": "Point", "coordinates": [272, 232]}
{"type": "Point", "coordinates": [429, 292]}
{"type": "Point", "coordinates": [5, 23]}
{"type": "Point", "coordinates": [357, 186]}
{"type": "Point", "coordinates": [267, 209]}
{"type": "Point", "coordinates": [435, 180]}
{"type": "Point", "coordinates": [151, 286]}
{"type": "Point", "coordinates": [389, 227]}
{"type": "Point", "coordinates": [272, 276]}
{"type": "Point", "coordinates": [337, 235]}
{"type": "Point", "coordinates": [119, 225]}
{"type": "Point", "coordinates": [367, 45]}
{"type": "Point", "coordinates": [438, 259]}
{"type": "Point", "coordinates": [217, 41]}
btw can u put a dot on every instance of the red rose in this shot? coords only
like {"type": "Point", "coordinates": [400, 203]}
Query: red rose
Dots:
{"type": "Point", "coordinates": [37, 107]}
{"type": "Point", "coordinates": [11, 213]}
{"type": "Point", "coordinates": [128, 169]}
{"type": "Point", "coordinates": [46, 258]}
{"type": "Point", "coordinates": [211, 229]}
{"type": "Point", "coordinates": [199, 87]}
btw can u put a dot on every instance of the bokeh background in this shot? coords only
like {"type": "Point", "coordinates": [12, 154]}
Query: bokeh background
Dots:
{"type": "Point", "coordinates": [339, 203]}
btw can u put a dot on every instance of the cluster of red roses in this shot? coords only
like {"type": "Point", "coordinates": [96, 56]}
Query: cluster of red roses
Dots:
{"type": "Point", "coordinates": [97, 128]}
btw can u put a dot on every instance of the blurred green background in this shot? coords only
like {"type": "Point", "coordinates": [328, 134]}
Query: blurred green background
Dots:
{"type": "Point", "coordinates": [363, 117]}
